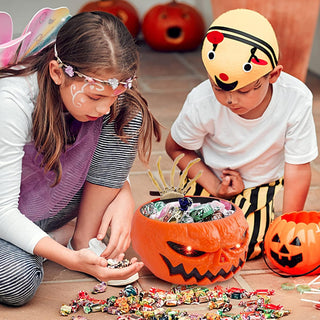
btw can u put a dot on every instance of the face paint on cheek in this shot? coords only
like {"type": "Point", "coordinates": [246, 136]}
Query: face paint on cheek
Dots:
{"type": "Point", "coordinates": [76, 99]}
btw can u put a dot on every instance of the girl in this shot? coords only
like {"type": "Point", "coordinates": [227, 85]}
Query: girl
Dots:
{"type": "Point", "coordinates": [72, 122]}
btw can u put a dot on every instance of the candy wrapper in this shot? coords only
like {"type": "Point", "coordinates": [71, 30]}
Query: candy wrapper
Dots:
{"type": "Point", "coordinates": [99, 288]}
{"type": "Point", "coordinates": [158, 304]}
{"type": "Point", "coordinates": [184, 210]}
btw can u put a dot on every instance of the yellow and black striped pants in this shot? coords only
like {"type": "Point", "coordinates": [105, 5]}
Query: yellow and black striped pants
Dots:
{"type": "Point", "coordinates": [257, 206]}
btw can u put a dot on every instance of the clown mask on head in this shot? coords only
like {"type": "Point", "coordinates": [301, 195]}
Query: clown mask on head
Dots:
{"type": "Point", "coordinates": [239, 48]}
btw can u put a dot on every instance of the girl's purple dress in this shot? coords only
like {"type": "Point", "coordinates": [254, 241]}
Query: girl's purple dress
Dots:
{"type": "Point", "coordinates": [38, 200]}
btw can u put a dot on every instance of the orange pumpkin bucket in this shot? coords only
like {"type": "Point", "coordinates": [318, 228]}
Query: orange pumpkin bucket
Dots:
{"type": "Point", "coordinates": [191, 253]}
{"type": "Point", "coordinates": [292, 243]}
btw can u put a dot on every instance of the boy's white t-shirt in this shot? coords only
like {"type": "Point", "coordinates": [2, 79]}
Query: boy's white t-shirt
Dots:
{"type": "Point", "coordinates": [257, 148]}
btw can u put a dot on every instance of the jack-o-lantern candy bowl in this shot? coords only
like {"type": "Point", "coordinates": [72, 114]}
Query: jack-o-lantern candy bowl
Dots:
{"type": "Point", "coordinates": [192, 252]}
{"type": "Point", "coordinates": [292, 242]}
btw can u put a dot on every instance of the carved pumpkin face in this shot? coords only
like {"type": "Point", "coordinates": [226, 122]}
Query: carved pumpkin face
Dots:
{"type": "Point", "coordinates": [192, 253]}
{"type": "Point", "coordinates": [122, 9]}
{"type": "Point", "coordinates": [173, 27]}
{"type": "Point", "coordinates": [292, 242]}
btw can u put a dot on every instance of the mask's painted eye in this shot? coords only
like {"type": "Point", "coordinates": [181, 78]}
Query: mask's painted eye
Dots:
{"type": "Point", "coordinates": [215, 37]}
{"type": "Point", "coordinates": [247, 67]}
{"type": "Point", "coordinates": [211, 55]}
{"type": "Point", "coordinates": [184, 250]}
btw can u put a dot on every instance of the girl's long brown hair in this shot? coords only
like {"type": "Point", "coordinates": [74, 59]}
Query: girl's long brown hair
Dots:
{"type": "Point", "coordinates": [92, 42]}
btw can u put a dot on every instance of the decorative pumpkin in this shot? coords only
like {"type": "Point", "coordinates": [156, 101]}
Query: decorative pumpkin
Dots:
{"type": "Point", "coordinates": [173, 27]}
{"type": "Point", "coordinates": [192, 253]}
{"type": "Point", "coordinates": [122, 9]}
{"type": "Point", "coordinates": [292, 242]}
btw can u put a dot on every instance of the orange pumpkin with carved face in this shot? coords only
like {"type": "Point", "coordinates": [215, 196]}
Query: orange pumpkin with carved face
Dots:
{"type": "Point", "coordinates": [292, 242]}
{"type": "Point", "coordinates": [192, 253]}
{"type": "Point", "coordinates": [173, 26]}
{"type": "Point", "coordinates": [122, 9]}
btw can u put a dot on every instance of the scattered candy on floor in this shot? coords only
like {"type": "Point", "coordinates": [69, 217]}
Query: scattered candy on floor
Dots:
{"type": "Point", "coordinates": [158, 304]}
{"type": "Point", "coordinates": [309, 289]}
{"type": "Point", "coordinates": [305, 289]}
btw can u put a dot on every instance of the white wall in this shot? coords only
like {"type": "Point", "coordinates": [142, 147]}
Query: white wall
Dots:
{"type": "Point", "coordinates": [314, 64]}
{"type": "Point", "coordinates": [23, 10]}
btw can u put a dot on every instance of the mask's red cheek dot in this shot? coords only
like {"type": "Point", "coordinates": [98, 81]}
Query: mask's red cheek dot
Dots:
{"type": "Point", "coordinates": [260, 62]}
{"type": "Point", "coordinates": [223, 77]}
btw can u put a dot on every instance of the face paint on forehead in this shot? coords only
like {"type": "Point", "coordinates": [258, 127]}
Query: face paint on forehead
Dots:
{"type": "Point", "coordinates": [77, 99]}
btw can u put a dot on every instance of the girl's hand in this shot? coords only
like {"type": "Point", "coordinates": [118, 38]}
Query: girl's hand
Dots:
{"type": "Point", "coordinates": [88, 262]}
{"type": "Point", "coordinates": [84, 260]}
{"type": "Point", "coordinates": [119, 222]}
{"type": "Point", "coordinates": [231, 184]}
{"type": "Point", "coordinates": [118, 218]}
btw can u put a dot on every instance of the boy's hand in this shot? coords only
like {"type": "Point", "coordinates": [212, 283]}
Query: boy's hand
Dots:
{"type": "Point", "coordinates": [231, 184]}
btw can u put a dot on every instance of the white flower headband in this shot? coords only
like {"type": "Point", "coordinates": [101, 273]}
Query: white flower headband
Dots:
{"type": "Point", "coordinates": [113, 82]}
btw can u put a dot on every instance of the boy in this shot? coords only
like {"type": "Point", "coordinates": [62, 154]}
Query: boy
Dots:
{"type": "Point", "coordinates": [250, 123]}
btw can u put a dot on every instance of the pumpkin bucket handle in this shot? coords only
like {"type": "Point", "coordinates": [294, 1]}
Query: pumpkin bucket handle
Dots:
{"type": "Point", "coordinates": [287, 275]}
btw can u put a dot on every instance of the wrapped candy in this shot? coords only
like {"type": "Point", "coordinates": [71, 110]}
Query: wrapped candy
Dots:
{"type": "Point", "coordinates": [152, 305]}
{"type": "Point", "coordinates": [128, 291]}
{"type": "Point", "coordinates": [185, 211]}
{"type": "Point", "coordinates": [202, 213]}
{"type": "Point", "coordinates": [99, 288]}
{"type": "Point", "coordinates": [151, 209]}
{"type": "Point", "coordinates": [186, 218]}
{"type": "Point", "coordinates": [65, 310]}
{"type": "Point", "coordinates": [116, 264]}
{"type": "Point", "coordinates": [185, 203]}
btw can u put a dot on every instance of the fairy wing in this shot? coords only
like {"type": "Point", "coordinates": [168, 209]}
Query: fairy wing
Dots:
{"type": "Point", "coordinates": [6, 27]}
{"type": "Point", "coordinates": [8, 47]}
{"type": "Point", "coordinates": [43, 27]}
{"type": "Point", "coordinates": [8, 50]}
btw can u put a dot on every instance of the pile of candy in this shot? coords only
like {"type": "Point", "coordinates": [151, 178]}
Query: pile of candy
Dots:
{"type": "Point", "coordinates": [185, 211]}
{"type": "Point", "coordinates": [134, 305]}
{"type": "Point", "coordinates": [116, 264]}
